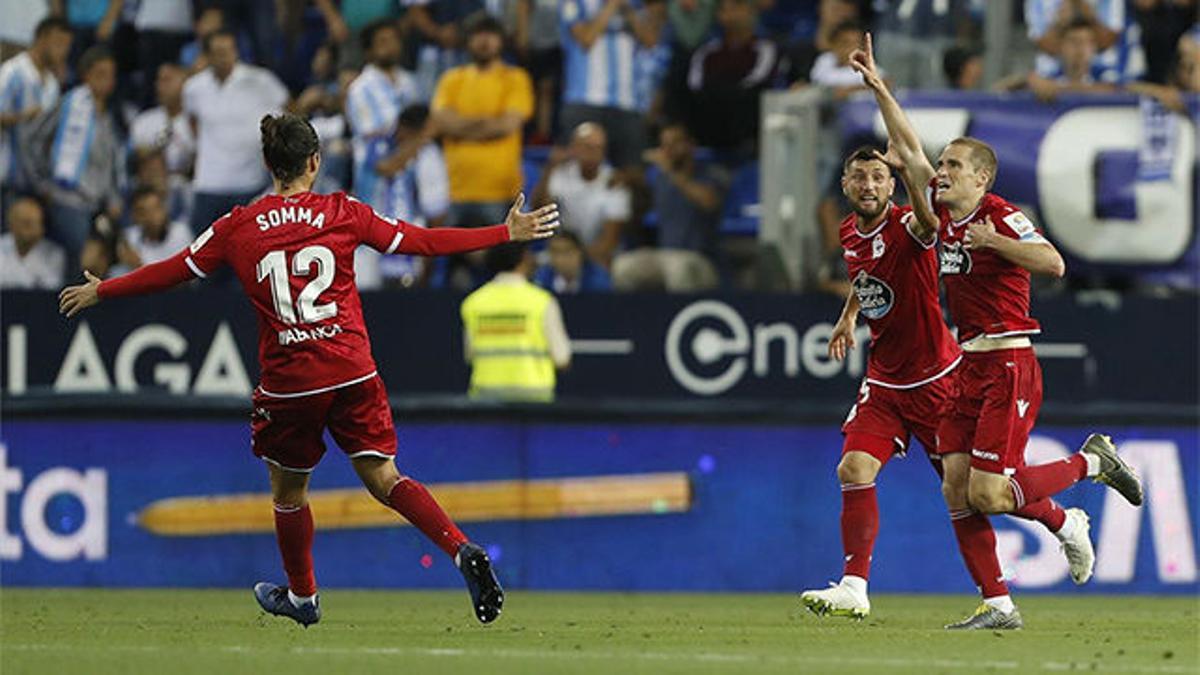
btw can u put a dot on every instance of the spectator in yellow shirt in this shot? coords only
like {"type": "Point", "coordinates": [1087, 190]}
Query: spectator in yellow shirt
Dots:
{"type": "Point", "coordinates": [479, 110]}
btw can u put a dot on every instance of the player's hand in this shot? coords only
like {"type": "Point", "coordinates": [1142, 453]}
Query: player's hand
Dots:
{"type": "Point", "coordinates": [980, 234]}
{"type": "Point", "coordinates": [863, 63]}
{"type": "Point", "coordinates": [842, 340]}
{"type": "Point", "coordinates": [75, 299]}
{"type": "Point", "coordinates": [531, 225]}
{"type": "Point", "coordinates": [892, 159]}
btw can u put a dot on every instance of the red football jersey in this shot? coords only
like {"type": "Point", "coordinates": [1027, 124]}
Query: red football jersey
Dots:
{"type": "Point", "coordinates": [895, 278]}
{"type": "Point", "coordinates": [987, 294]}
{"type": "Point", "coordinates": [295, 259]}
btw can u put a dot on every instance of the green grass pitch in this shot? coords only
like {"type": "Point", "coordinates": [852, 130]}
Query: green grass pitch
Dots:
{"type": "Point", "coordinates": [221, 631]}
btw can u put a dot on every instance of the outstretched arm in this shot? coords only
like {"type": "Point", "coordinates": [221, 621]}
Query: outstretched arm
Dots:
{"type": "Point", "coordinates": [152, 278]}
{"type": "Point", "coordinates": [391, 236]}
{"type": "Point", "coordinates": [924, 225]}
{"type": "Point", "coordinates": [904, 143]}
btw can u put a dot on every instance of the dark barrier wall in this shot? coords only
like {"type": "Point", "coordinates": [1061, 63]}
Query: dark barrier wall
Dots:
{"type": "Point", "coordinates": [1121, 349]}
{"type": "Point", "coordinates": [695, 507]}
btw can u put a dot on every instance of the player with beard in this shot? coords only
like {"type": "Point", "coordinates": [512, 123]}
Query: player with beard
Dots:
{"type": "Point", "coordinates": [988, 250]}
{"type": "Point", "coordinates": [910, 372]}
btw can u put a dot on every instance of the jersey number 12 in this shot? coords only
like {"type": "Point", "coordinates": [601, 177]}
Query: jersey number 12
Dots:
{"type": "Point", "coordinates": [273, 266]}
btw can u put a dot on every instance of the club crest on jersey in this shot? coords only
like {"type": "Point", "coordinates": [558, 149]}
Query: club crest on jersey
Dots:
{"type": "Point", "coordinates": [954, 259]}
{"type": "Point", "coordinates": [877, 246]}
{"type": "Point", "coordinates": [874, 297]}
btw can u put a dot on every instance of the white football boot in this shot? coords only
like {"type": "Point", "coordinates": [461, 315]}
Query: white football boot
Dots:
{"type": "Point", "coordinates": [837, 600]}
{"type": "Point", "coordinates": [1077, 545]}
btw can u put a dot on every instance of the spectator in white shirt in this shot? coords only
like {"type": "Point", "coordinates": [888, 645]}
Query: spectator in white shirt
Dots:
{"type": "Point", "coordinates": [27, 259]}
{"type": "Point", "coordinates": [373, 105]}
{"type": "Point", "coordinates": [832, 68]}
{"type": "Point", "coordinates": [226, 102]}
{"type": "Point", "coordinates": [153, 236]}
{"type": "Point", "coordinates": [167, 129]}
{"type": "Point", "coordinates": [419, 191]}
{"type": "Point", "coordinates": [592, 200]}
{"type": "Point", "coordinates": [29, 86]}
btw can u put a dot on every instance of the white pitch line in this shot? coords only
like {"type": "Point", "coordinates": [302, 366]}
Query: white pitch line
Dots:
{"type": "Point", "coordinates": [701, 657]}
{"type": "Point", "coordinates": [602, 347]}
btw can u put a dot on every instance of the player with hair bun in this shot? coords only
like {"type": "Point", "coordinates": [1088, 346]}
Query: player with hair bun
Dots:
{"type": "Point", "coordinates": [293, 251]}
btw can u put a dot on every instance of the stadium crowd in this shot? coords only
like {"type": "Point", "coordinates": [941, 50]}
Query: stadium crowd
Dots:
{"type": "Point", "coordinates": [128, 126]}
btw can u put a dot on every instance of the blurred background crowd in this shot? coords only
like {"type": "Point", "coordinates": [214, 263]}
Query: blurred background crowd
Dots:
{"type": "Point", "coordinates": [129, 126]}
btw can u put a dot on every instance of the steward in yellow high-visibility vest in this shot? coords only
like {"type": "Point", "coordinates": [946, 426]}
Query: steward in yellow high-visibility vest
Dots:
{"type": "Point", "coordinates": [513, 332]}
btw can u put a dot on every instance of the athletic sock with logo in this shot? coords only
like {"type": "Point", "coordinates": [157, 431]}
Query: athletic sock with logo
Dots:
{"type": "Point", "coordinates": [1031, 483]}
{"type": "Point", "coordinates": [977, 544]}
{"type": "Point", "coordinates": [860, 526]}
{"type": "Point", "coordinates": [294, 532]}
{"type": "Point", "coordinates": [410, 499]}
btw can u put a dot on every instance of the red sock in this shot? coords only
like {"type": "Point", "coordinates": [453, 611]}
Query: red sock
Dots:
{"type": "Point", "coordinates": [1045, 511]}
{"type": "Point", "coordinates": [411, 500]}
{"type": "Point", "coordinates": [1031, 483]}
{"type": "Point", "coordinates": [294, 531]}
{"type": "Point", "coordinates": [977, 543]}
{"type": "Point", "coordinates": [860, 525]}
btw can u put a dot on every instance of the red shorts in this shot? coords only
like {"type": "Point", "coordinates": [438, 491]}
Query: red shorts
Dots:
{"type": "Point", "coordinates": [883, 419]}
{"type": "Point", "coordinates": [288, 432]}
{"type": "Point", "coordinates": [999, 395]}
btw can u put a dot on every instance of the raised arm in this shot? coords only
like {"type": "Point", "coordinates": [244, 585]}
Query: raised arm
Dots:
{"type": "Point", "coordinates": [903, 138]}
{"type": "Point", "coordinates": [924, 223]}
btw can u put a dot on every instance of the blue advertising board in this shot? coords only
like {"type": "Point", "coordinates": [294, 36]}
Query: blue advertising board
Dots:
{"type": "Point", "coordinates": [201, 342]}
{"type": "Point", "coordinates": [1112, 179]}
{"type": "Point", "coordinates": [118, 503]}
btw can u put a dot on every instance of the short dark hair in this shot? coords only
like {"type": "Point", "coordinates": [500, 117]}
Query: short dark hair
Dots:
{"type": "Point", "coordinates": [505, 257]}
{"type": "Point", "coordinates": [482, 22]}
{"type": "Point", "coordinates": [50, 24]}
{"type": "Point", "coordinates": [955, 60]}
{"type": "Point", "coordinates": [218, 33]}
{"type": "Point", "coordinates": [94, 54]}
{"type": "Point", "coordinates": [143, 191]}
{"type": "Point", "coordinates": [863, 153]}
{"type": "Point", "coordinates": [367, 36]}
{"type": "Point", "coordinates": [1078, 23]}
{"type": "Point", "coordinates": [287, 142]}
{"type": "Point", "coordinates": [851, 24]}
{"type": "Point", "coordinates": [414, 116]}
{"type": "Point", "coordinates": [571, 236]}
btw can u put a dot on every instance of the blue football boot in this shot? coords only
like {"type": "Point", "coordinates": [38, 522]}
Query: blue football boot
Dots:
{"type": "Point", "coordinates": [274, 599]}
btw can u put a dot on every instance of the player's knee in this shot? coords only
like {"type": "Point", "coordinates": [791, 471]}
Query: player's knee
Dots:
{"type": "Point", "coordinates": [987, 499]}
{"type": "Point", "coordinates": [857, 470]}
{"type": "Point", "coordinates": [955, 494]}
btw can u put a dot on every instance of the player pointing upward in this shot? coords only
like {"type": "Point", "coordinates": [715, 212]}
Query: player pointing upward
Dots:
{"type": "Point", "coordinates": [293, 252]}
{"type": "Point", "coordinates": [910, 372]}
{"type": "Point", "coordinates": [988, 250]}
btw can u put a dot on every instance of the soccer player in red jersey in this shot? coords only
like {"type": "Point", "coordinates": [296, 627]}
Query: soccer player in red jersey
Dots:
{"type": "Point", "coordinates": [988, 250]}
{"type": "Point", "coordinates": [293, 252]}
{"type": "Point", "coordinates": [892, 264]}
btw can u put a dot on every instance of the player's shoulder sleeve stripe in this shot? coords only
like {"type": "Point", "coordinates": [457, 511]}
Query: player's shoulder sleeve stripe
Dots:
{"type": "Point", "coordinates": [395, 243]}
{"type": "Point", "coordinates": [195, 268]}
